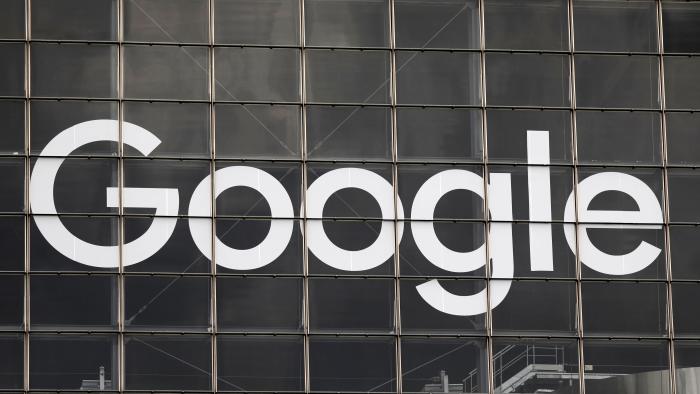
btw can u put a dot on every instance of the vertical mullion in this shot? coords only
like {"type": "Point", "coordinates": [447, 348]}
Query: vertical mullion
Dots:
{"type": "Point", "coordinates": [304, 186]}
{"type": "Point", "coordinates": [27, 218]}
{"type": "Point", "coordinates": [212, 169]}
{"type": "Point", "coordinates": [120, 385]}
{"type": "Point", "coordinates": [666, 227]}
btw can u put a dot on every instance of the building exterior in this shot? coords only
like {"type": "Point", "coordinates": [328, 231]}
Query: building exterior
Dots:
{"type": "Point", "coordinates": [480, 196]}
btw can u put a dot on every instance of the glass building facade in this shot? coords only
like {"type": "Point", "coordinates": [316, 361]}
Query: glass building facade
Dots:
{"type": "Point", "coordinates": [297, 89]}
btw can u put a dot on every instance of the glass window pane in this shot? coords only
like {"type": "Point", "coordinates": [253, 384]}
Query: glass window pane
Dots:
{"type": "Point", "coordinates": [460, 204]}
{"type": "Point", "coordinates": [261, 22]}
{"type": "Point", "coordinates": [508, 130]}
{"type": "Point", "coordinates": [436, 134]}
{"type": "Point", "coordinates": [167, 362]}
{"type": "Point", "coordinates": [463, 361]}
{"type": "Point", "coordinates": [348, 76]}
{"type": "Point", "coordinates": [617, 81]}
{"type": "Point", "coordinates": [340, 133]}
{"type": "Point", "coordinates": [96, 230]}
{"type": "Point", "coordinates": [461, 237]}
{"type": "Point", "coordinates": [563, 258]}
{"type": "Point", "coordinates": [73, 302]}
{"type": "Point", "coordinates": [685, 252]}
{"type": "Point", "coordinates": [91, 176]}
{"type": "Point", "coordinates": [51, 117]}
{"type": "Point", "coordinates": [12, 69]}
{"type": "Point", "coordinates": [419, 317]}
{"type": "Point", "coordinates": [540, 24]}
{"type": "Point", "coordinates": [12, 19]}
{"type": "Point", "coordinates": [74, 70]}
{"type": "Point", "coordinates": [259, 304]}
{"type": "Point", "coordinates": [347, 23]}
{"type": "Point", "coordinates": [682, 137]}
{"type": "Point", "coordinates": [513, 358]}
{"type": "Point", "coordinates": [12, 243]}
{"type": "Point", "coordinates": [12, 183]}
{"type": "Point", "coordinates": [628, 365]}
{"type": "Point", "coordinates": [178, 255]}
{"type": "Point", "coordinates": [352, 364]}
{"type": "Point", "coordinates": [260, 363]}
{"type": "Point", "coordinates": [172, 174]}
{"type": "Point", "coordinates": [72, 362]}
{"type": "Point", "coordinates": [681, 26]}
{"type": "Point", "coordinates": [683, 187]}
{"type": "Point", "coordinates": [257, 74]}
{"type": "Point", "coordinates": [624, 308]}
{"type": "Point", "coordinates": [12, 128]}
{"type": "Point", "coordinates": [527, 79]}
{"type": "Point", "coordinates": [12, 305]}
{"type": "Point", "coordinates": [183, 129]}
{"type": "Point", "coordinates": [686, 358]}
{"type": "Point", "coordinates": [686, 321]}
{"type": "Point", "coordinates": [447, 78]}
{"type": "Point", "coordinates": [244, 234]}
{"type": "Point", "coordinates": [167, 21]}
{"type": "Point", "coordinates": [521, 311]}
{"type": "Point", "coordinates": [437, 24]}
{"type": "Point", "coordinates": [12, 362]}
{"type": "Point", "coordinates": [624, 26]}
{"type": "Point", "coordinates": [351, 305]}
{"type": "Point", "coordinates": [618, 137]}
{"type": "Point", "coordinates": [258, 131]}
{"type": "Point", "coordinates": [166, 72]}
{"type": "Point", "coordinates": [166, 302]}
{"type": "Point", "coordinates": [74, 19]}
{"type": "Point", "coordinates": [681, 81]}
{"type": "Point", "coordinates": [246, 201]}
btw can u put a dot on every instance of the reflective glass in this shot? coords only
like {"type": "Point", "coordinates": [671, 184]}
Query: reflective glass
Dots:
{"type": "Point", "coordinates": [12, 243]}
{"type": "Point", "coordinates": [72, 362]}
{"type": "Point", "coordinates": [622, 366]}
{"type": "Point", "coordinates": [12, 19]}
{"type": "Point", "coordinates": [259, 304]}
{"type": "Point", "coordinates": [347, 76]}
{"type": "Point", "coordinates": [683, 186]}
{"type": "Point", "coordinates": [624, 26]}
{"type": "Point", "coordinates": [12, 182]}
{"type": "Point", "coordinates": [540, 24]}
{"type": "Point", "coordinates": [348, 132]}
{"type": "Point", "coordinates": [167, 362]}
{"type": "Point", "coordinates": [79, 19]}
{"type": "Point", "coordinates": [614, 308]}
{"type": "Point", "coordinates": [167, 21]}
{"type": "Point", "coordinates": [681, 26]}
{"type": "Point", "coordinates": [685, 251]}
{"type": "Point", "coordinates": [260, 363]}
{"type": "Point", "coordinates": [12, 69]}
{"type": "Point", "coordinates": [527, 79]}
{"type": "Point", "coordinates": [352, 364]}
{"type": "Point", "coordinates": [617, 81]}
{"type": "Point", "coordinates": [258, 131]}
{"type": "Point", "coordinates": [74, 70]}
{"type": "Point", "coordinates": [11, 307]}
{"type": "Point", "coordinates": [347, 23]}
{"type": "Point", "coordinates": [686, 358]}
{"type": "Point", "coordinates": [166, 72]}
{"type": "Point", "coordinates": [257, 74]}
{"type": "Point", "coordinates": [437, 24]}
{"type": "Point", "coordinates": [428, 362]}
{"type": "Point", "coordinates": [604, 137]}
{"type": "Point", "coordinates": [351, 305]}
{"type": "Point", "coordinates": [12, 362]}
{"type": "Point", "coordinates": [183, 129]}
{"type": "Point", "coordinates": [681, 78]}
{"type": "Point", "coordinates": [73, 302]}
{"type": "Point", "coordinates": [12, 128]}
{"type": "Point", "coordinates": [682, 136]}
{"type": "Point", "coordinates": [686, 321]}
{"type": "Point", "coordinates": [260, 22]}
{"type": "Point", "coordinates": [446, 78]}
{"type": "Point", "coordinates": [166, 303]}
{"type": "Point", "coordinates": [439, 134]}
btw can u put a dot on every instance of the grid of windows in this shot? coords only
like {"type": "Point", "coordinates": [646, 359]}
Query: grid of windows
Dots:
{"type": "Point", "coordinates": [299, 88]}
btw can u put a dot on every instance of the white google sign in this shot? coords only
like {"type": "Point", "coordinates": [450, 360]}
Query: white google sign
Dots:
{"type": "Point", "coordinates": [166, 203]}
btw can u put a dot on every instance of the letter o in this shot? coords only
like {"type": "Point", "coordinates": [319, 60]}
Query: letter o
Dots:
{"type": "Point", "coordinates": [277, 238]}
{"type": "Point", "coordinates": [318, 242]}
